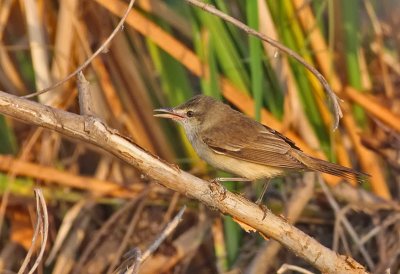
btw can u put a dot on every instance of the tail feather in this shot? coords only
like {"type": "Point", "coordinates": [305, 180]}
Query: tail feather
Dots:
{"type": "Point", "coordinates": [331, 168]}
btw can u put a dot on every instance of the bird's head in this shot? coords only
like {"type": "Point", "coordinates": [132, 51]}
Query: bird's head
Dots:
{"type": "Point", "coordinates": [194, 113]}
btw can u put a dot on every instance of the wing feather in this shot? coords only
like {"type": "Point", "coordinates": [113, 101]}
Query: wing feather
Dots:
{"type": "Point", "coordinates": [254, 143]}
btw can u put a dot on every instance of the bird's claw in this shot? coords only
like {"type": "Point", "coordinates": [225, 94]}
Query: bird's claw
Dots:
{"type": "Point", "coordinates": [264, 209]}
{"type": "Point", "coordinates": [217, 190]}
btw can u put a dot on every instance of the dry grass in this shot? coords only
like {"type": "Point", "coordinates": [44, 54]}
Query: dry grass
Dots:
{"type": "Point", "coordinates": [100, 209]}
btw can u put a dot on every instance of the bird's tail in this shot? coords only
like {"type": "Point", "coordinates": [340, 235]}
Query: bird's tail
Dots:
{"type": "Point", "coordinates": [331, 168]}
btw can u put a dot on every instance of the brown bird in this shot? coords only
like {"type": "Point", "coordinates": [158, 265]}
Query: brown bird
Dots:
{"type": "Point", "coordinates": [233, 142]}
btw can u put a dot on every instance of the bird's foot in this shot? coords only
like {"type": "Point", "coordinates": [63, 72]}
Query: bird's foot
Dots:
{"type": "Point", "coordinates": [260, 199]}
{"type": "Point", "coordinates": [264, 209]}
{"type": "Point", "coordinates": [218, 191]}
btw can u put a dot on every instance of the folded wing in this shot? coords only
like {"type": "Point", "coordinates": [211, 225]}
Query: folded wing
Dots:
{"type": "Point", "coordinates": [261, 145]}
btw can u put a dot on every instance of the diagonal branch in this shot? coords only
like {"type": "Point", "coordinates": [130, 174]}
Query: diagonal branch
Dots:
{"type": "Point", "coordinates": [94, 131]}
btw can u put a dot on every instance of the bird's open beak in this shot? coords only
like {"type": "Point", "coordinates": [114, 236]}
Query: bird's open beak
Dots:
{"type": "Point", "coordinates": [169, 113]}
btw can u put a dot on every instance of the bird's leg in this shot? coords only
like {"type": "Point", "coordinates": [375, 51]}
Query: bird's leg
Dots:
{"type": "Point", "coordinates": [216, 184]}
{"type": "Point", "coordinates": [264, 190]}
{"type": "Point", "coordinates": [222, 179]}
{"type": "Point", "coordinates": [259, 200]}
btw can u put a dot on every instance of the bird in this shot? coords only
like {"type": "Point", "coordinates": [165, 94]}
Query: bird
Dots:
{"type": "Point", "coordinates": [233, 142]}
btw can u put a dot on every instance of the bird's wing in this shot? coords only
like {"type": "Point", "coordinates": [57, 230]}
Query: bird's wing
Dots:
{"type": "Point", "coordinates": [261, 145]}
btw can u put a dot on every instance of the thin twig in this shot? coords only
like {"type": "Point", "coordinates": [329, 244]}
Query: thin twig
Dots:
{"type": "Point", "coordinates": [65, 227]}
{"type": "Point", "coordinates": [104, 229]}
{"type": "Point", "coordinates": [286, 267]}
{"type": "Point", "coordinates": [129, 231]}
{"type": "Point", "coordinates": [335, 100]}
{"type": "Point", "coordinates": [34, 238]}
{"type": "Point", "coordinates": [164, 234]}
{"type": "Point", "coordinates": [90, 59]}
{"type": "Point", "coordinates": [338, 212]}
{"type": "Point", "coordinates": [42, 226]}
{"type": "Point", "coordinates": [135, 253]}
{"type": "Point", "coordinates": [389, 221]}
{"type": "Point", "coordinates": [42, 210]}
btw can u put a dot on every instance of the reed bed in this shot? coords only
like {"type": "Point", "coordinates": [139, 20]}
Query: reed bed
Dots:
{"type": "Point", "coordinates": [103, 214]}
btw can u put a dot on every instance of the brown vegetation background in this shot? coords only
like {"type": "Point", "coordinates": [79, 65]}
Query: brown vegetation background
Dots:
{"type": "Point", "coordinates": [167, 51]}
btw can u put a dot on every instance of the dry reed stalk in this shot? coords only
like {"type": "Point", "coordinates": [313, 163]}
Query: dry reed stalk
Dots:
{"type": "Point", "coordinates": [88, 61]}
{"type": "Point", "coordinates": [370, 104]}
{"type": "Point", "coordinates": [294, 113]}
{"type": "Point", "coordinates": [50, 175]}
{"type": "Point", "coordinates": [389, 89]}
{"type": "Point", "coordinates": [138, 258]}
{"type": "Point", "coordinates": [68, 220]}
{"type": "Point", "coordinates": [64, 39]}
{"type": "Point", "coordinates": [220, 250]}
{"type": "Point", "coordinates": [10, 72]}
{"type": "Point", "coordinates": [128, 234]}
{"type": "Point", "coordinates": [66, 259]}
{"type": "Point", "coordinates": [139, 109]}
{"type": "Point", "coordinates": [173, 18]}
{"type": "Point", "coordinates": [366, 82]}
{"type": "Point", "coordinates": [387, 58]}
{"type": "Point", "coordinates": [187, 243]}
{"type": "Point", "coordinates": [337, 113]}
{"type": "Point", "coordinates": [127, 114]}
{"type": "Point", "coordinates": [41, 229]}
{"type": "Point", "coordinates": [368, 160]}
{"type": "Point", "coordinates": [105, 228]}
{"type": "Point", "coordinates": [23, 154]}
{"type": "Point", "coordinates": [342, 154]}
{"type": "Point", "coordinates": [102, 74]}
{"type": "Point", "coordinates": [40, 58]}
{"type": "Point", "coordinates": [317, 42]}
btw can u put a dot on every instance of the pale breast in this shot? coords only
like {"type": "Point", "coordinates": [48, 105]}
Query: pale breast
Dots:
{"type": "Point", "coordinates": [244, 169]}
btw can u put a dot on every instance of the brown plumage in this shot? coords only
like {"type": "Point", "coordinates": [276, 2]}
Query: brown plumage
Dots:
{"type": "Point", "coordinates": [233, 142]}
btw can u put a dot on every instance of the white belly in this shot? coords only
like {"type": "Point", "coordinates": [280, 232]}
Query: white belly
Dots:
{"type": "Point", "coordinates": [244, 169]}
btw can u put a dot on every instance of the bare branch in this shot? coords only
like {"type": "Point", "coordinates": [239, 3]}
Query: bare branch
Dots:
{"type": "Point", "coordinates": [92, 130]}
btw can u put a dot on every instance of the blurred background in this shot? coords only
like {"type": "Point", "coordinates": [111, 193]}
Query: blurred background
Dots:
{"type": "Point", "coordinates": [167, 51]}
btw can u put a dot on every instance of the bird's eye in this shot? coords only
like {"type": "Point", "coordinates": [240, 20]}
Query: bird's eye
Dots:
{"type": "Point", "coordinates": [189, 113]}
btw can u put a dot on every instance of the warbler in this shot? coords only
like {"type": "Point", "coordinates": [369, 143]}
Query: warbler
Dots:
{"type": "Point", "coordinates": [232, 142]}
